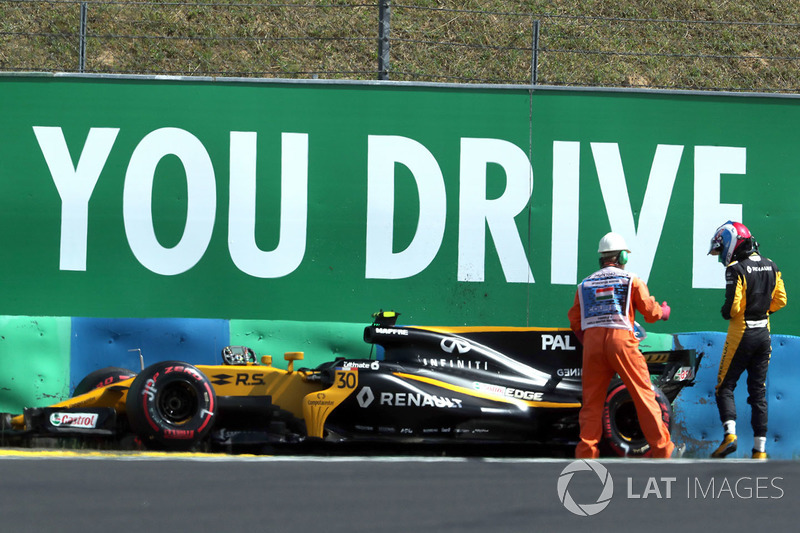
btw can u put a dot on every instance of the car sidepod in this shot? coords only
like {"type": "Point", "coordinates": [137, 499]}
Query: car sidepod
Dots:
{"type": "Point", "coordinates": [434, 384]}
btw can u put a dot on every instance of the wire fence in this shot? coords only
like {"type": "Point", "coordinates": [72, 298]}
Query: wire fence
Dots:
{"type": "Point", "coordinates": [413, 41]}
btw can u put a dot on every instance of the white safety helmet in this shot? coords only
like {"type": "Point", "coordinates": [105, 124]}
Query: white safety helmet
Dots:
{"type": "Point", "coordinates": [614, 243]}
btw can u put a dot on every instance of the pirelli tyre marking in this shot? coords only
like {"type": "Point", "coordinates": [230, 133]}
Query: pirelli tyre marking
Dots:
{"type": "Point", "coordinates": [493, 392]}
{"type": "Point", "coordinates": [171, 403]}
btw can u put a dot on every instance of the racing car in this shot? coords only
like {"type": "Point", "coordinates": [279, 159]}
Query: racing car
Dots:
{"type": "Point", "coordinates": [436, 385]}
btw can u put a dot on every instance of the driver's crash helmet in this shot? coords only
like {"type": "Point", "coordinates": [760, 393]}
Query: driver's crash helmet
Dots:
{"type": "Point", "coordinates": [730, 242]}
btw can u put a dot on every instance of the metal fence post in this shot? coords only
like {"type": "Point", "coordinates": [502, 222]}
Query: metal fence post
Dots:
{"type": "Point", "coordinates": [535, 54]}
{"type": "Point", "coordinates": [82, 38]}
{"type": "Point", "coordinates": [384, 19]}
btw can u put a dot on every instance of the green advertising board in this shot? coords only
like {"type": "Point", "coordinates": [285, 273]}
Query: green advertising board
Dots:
{"type": "Point", "coordinates": [322, 201]}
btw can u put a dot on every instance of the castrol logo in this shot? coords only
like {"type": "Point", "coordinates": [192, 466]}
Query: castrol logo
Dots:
{"type": "Point", "coordinates": [74, 420]}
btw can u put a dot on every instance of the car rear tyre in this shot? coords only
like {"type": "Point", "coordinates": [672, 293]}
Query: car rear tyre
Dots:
{"type": "Point", "coordinates": [102, 378]}
{"type": "Point", "coordinates": [621, 430]}
{"type": "Point", "coordinates": [171, 405]}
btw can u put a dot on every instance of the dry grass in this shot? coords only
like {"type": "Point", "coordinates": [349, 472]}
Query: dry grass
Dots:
{"type": "Point", "coordinates": [642, 43]}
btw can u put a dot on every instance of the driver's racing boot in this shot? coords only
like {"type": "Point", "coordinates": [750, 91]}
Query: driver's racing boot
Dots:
{"type": "Point", "coordinates": [727, 447]}
{"type": "Point", "coordinates": [759, 455]}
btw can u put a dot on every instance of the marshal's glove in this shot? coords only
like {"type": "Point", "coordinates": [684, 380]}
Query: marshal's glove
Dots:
{"type": "Point", "coordinates": [665, 309]}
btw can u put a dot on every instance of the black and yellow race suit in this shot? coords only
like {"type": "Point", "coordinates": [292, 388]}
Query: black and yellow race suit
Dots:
{"type": "Point", "coordinates": [753, 290]}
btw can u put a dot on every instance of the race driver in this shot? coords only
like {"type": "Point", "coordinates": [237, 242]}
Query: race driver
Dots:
{"type": "Point", "coordinates": [753, 290]}
{"type": "Point", "coordinates": [602, 317]}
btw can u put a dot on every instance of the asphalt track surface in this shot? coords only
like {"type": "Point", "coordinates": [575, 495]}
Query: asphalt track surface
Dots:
{"type": "Point", "coordinates": [118, 493]}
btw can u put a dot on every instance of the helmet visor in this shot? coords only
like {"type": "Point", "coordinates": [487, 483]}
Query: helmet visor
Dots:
{"type": "Point", "coordinates": [723, 243]}
{"type": "Point", "coordinates": [716, 245]}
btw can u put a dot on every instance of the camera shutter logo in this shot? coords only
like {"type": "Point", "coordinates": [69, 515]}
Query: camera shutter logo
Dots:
{"type": "Point", "coordinates": [586, 509]}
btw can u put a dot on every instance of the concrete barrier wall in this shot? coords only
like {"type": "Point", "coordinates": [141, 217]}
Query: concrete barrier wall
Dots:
{"type": "Point", "coordinates": [697, 422]}
{"type": "Point", "coordinates": [102, 342]}
{"type": "Point", "coordinates": [35, 361]}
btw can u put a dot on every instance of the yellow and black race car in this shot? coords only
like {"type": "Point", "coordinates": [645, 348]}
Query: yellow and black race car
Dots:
{"type": "Point", "coordinates": [437, 385]}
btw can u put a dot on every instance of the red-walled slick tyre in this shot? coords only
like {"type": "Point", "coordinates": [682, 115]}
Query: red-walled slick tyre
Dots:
{"type": "Point", "coordinates": [622, 433]}
{"type": "Point", "coordinates": [102, 378]}
{"type": "Point", "coordinates": [171, 405]}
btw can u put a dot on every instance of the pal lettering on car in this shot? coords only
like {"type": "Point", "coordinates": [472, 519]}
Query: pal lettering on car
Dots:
{"type": "Point", "coordinates": [553, 341]}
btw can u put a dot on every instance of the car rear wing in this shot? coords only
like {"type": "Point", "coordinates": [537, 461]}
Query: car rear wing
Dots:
{"type": "Point", "coordinates": [671, 370]}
